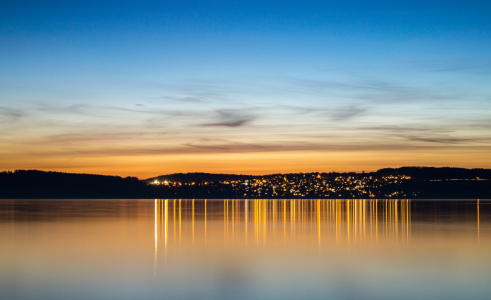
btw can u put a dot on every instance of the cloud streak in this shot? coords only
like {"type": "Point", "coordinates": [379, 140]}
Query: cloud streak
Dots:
{"type": "Point", "coordinates": [11, 113]}
{"type": "Point", "coordinates": [231, 118]}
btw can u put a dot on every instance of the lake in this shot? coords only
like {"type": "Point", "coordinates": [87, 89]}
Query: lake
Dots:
{"type": "Point", "coordinates": [245, 249]}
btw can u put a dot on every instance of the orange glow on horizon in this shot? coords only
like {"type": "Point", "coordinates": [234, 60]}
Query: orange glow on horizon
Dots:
{"type": "Point", "coordinates": [146, 166]}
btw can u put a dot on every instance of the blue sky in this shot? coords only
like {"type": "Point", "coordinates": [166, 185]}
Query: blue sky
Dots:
{"type": "Point", "coordinates": [118, 87]}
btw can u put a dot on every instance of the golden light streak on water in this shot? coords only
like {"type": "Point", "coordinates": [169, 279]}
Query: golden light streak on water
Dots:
{"type": "Point", "coordinates": [174, 218]}
{"type": "Point", "coordinates": [376, 221]}
{"type": "Point", "coordinates": [319, 221]}
{"type": "Point", "coordinates": [348, 218]}
{"type": "Point", "coordinates": [205, 220]}
{"type": "Point", "coordinates": [292, 209]}
{"type": "Point", "coordinates": [403, 216]}
{"type": "Point", "coordinates": [274, 215]}
{"type": "Point", "coordinates": [364, 219]}
{"type": "Point", "coordinates": [264, 220]}
{"type": "Point", "coordinates": [192, 222]}
{"type": "Point", "coordinates": [396, 223]}
{"type": "Point", "coordinates": [179, 221]}
{"type": "Point", "coordinates": [162, 215]}
{"type": "Point", "coordinates": [407, 220]}
{"type": "Point", "coordinates": [166, 223]}
{"type": "Point", "coordinates": [284, 218]}
{"type": "Point", "coordinates": [386, 230]}
{"type": "Point", "coordinates": [246, 217]}
{"type": "Point", "coordinates": [301, 216]}
{"type": "Point", "coordinates": [355, 217]}
{"type": "Point", "coordinates": [224, 219]}
{"type": "Point", "coordinates": [156, 239]}
{"type": "Point", "coordinates": [311, 211]}
{"type": "Point", "coordinates": [372, 215]}
{"type": "Point", "coordinates": [256, 225]}
{"type": "Point", "coordinates": [337, 215]}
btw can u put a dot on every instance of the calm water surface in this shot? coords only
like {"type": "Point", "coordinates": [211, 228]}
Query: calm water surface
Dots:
{"type": "Point", "coordinates": [245, 249]}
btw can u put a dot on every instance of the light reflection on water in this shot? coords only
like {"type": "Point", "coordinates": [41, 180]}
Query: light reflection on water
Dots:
{"type": "Point", "coordinates": [342, 249]}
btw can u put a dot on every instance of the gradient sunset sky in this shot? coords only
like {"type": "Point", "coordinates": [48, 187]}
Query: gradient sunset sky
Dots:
{"type": "Point", "coordinates": [146, 88]}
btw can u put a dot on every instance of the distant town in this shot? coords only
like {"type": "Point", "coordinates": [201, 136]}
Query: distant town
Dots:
{"type": "Point", "coordinates": [398, 183]}
{"type": "Point", "coordinates": [311, 185]}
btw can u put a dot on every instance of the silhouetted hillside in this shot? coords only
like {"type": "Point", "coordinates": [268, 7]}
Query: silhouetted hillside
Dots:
{"type": "Point", "coordinates": [417, 173]}
{"type": "Point", "coordinates": [423, 182]}
{"type": "Point", "coordinates": [200, 177]}
{"type": "Point", "coordinates": [39, 184]}
{"type": "Point", "coordinates": [432, 173]}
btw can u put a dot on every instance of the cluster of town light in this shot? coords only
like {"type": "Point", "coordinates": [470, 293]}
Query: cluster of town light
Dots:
{"type": "Point", "coordinates": [306, 185]}
{"type": "Point", "coordinates": [173, 183]}
{"type": "Point", "coordinates": [317, 185]}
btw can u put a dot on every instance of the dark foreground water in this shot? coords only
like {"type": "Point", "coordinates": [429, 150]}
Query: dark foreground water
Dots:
{"type": "Point", "coordinates": [245, 249]}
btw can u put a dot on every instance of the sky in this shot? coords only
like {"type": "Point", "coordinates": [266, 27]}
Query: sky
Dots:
{"type": "Point", "coordinates": [144, 88]}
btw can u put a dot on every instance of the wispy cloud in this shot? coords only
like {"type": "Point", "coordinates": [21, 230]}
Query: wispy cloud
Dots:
{"type": "Point", "coordinates": [231, 118]}
{"type": "Point", "coordinates": [347, 113]}
{"type": "Point", "coordinates": [11, 113]}
{"type": "Point", "coordinates": [449, 140]}
{"type": "Point", "coordinates": [149, 146]}
{"type": "Point", "coordinates": [477, 66]}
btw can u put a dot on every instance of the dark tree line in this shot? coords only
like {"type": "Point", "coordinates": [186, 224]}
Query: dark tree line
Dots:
{"type": "Point", "coordinates": [33, 184]}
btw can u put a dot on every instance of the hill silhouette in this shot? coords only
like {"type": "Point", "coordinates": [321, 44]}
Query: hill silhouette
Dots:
{"type": "Point", "coordinates": [40, 184]}
{"type": "Point", "coordinates": [425, 182]}
{"type": "Point", "coordinates": [432, 173]}
{"type": "Point", "coordinates": [201, 177]}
